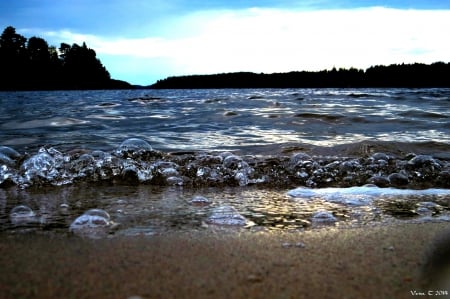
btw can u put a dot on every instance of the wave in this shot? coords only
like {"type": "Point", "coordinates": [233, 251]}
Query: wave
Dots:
{"type": "Point", "coordinates": [136, 162]}
{"type": "Point", "coordinates": [422, 114]}
{"type": "Point", "coordinates": [319, 116]}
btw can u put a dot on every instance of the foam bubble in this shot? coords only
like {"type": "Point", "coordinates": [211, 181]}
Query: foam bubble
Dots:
{"type": "Point", "coordinates": [361, 195]}
{"type": "Point", "coordinates": [22, 215]}
{"type": "Point", "coordinates": [226, 215]}
{"type": "Point", "coordinates": [323, 218]}
{"type": "Point", "coordinates": [93, 223]}
{"type": "Point", "coordinates": [133, 146]}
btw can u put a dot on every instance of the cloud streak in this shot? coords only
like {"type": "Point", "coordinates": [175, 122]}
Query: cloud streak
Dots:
{"type": "Point", "coordinates": [277, 40]}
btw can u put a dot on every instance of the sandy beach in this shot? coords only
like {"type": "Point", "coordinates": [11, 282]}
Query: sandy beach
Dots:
{"type": "Point", "coordinates": [369, 262]}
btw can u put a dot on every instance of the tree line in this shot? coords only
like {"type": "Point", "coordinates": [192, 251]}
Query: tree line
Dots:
{"type": "Point", "coordinates": [31, 64]}
{"type": "Point", "coordinates": [415, 75]}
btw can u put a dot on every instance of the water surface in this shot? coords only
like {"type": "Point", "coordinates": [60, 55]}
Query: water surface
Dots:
{"type": "Point", "coordinates": [223, 118]}
{"type": "Point", "coordinates": [201, 158]}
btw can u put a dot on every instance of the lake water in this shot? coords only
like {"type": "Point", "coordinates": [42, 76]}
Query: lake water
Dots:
{"type": "Point", "coordinates": [222, 119]}
{"type": "Point", "coordinates": [158, 160]}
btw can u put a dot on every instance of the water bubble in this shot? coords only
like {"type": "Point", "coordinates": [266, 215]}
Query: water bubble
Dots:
{"type": "Point", "coordinates": [64, 209]}
{"type": "Point", "coordinates": [323, 218]}
{"type": "Point", "coordinates": [4, 159]}
{"type": "Point", "coordinates": [298, 159]}
{"type": "Point", "coordinates": [242, 178]}
{"type": "Point", "coordinates": [22, 215]}
{"type": "Point", "coordinates": [41, 165]}
{"type": "Point", "coordinates": [175, 181]}
{"type": "Point", "coordinates": [84, 166]}
{"type": "Point", "coordinates": [9, 152]}
{"type": "Point", "coordinates": [420, 160]}
{"type": "Point", "coordinates": [226, 215]}
{"type": "Point", "coordinates": [133, 147]}
{"type": "Point", "coordinates": [379, 181]}
{"type": "Point", "coordinates": [8, 156]}
{"type": "Point", "coordinates": [351, 165]}
{"type": "Point", "coordinates": [233, 162]}
{"type": "Point", "coordinates": [398, 179]}
{"type": "Point", "coordinates": [6, 175]}
{"type": "Point", "coordinates": [202, 171]}
{"type": "Point", "coordinates": [133, 172]}
{"type": "Point", "coordinates": [168, 172]}
{"type": "Point", "coordinates": [57, 155]}
{"type": "Point", "coordinates": [99, 155]}
{"type": "Point", "coordinates": [199, 200]}
{"type": "Point", "coordinates": [93, 223]}
{"type": "Point", "coordinates": [380, 156]}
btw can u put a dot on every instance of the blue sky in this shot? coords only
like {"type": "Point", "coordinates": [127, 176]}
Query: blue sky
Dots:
{"type": "Point", "coordinates": [142, 41]}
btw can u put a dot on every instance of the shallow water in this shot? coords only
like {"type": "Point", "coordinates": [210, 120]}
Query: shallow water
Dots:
{"type": "Point", "coordinates": [150, 210]}
{"type": "Point", "coordinates": [199, 159]}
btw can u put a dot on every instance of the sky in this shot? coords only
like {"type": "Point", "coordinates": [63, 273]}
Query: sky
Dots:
{"type": "Point", "coordinates": [142, 41]}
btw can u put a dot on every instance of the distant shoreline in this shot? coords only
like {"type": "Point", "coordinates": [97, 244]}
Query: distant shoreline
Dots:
{"type": "Point", "coordinates": [393, 76]}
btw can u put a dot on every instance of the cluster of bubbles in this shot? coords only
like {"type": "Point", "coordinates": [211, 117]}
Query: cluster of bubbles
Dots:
{"type": "Point", "coordinates": [136, 162]}
{"type": "Point", "coordinates": [97, 223]}
{"type": "Point", "coordinates": [380, 169]}
{"type": "Point", "coordinates": [94, 223]}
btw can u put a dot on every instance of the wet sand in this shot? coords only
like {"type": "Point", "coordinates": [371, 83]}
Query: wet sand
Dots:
{"type": "Point", "coordinates": [369, 262]}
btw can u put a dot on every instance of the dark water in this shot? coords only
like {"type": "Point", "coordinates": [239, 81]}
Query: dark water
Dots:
{"type": "Point", "coordinates": [222, 119]}
{"type": "Point", "coordinates": [205, 158]}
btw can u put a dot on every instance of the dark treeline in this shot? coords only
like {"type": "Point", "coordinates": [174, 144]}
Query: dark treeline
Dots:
{"type": "Point", "coordinates": [31, 64]}
{"type": "Point", "coordinates": [397, 75]}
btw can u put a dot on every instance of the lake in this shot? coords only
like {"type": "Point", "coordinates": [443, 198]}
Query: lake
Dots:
{"type": "Point", "coordinates": [149, 161]}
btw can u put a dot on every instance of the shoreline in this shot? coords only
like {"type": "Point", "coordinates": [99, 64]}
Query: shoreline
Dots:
{"type": "Point", "coordinates": [135, 162]}
{"type": "Point", "coordinates": [385, 261]}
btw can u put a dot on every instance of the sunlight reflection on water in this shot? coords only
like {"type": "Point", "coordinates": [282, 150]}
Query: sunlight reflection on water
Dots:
{"type": "Point", "coordinates": [263, 116]}
{"type": "Point", "coordinates": [176, 120]}
{"type": "Point", "coordinates": [151, 210]}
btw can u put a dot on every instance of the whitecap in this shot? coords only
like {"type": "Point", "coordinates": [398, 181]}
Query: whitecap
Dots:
{"type": "Point", "coordinates": [361, 195]}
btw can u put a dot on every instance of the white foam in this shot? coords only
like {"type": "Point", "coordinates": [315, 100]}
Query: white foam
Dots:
{"type": "Point", "coordinates": [361, 195]}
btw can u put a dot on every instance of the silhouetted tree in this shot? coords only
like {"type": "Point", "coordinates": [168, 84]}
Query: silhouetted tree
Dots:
{"type": "Point", "coordinates": [404, 75]}
{"type": "Point", "coordinates": [82, 68]}
{"type": "Point", "coordinates": [64, 49]}
{"type": "Point", "coordinates": [12, 57]}
{"type": "Point", "coordinates": [36, 65]}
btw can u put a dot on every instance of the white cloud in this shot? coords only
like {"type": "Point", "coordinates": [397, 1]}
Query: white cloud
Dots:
{"type": "Point", "coordinates": [275, 40]}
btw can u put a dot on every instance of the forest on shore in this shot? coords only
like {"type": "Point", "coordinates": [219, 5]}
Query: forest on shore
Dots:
{"type": "Point", "coordinates": [415, 75]}
{"type": "Point", "coordinates": [31, 64]}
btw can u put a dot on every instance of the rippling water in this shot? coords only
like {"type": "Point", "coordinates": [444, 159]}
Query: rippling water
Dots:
{"type": "Point", "coordinates": [68, 162]}
{"type": "Point", "coordinates": [222, 119]}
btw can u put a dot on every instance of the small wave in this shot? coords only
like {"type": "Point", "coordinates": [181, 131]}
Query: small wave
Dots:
{"type": "Point", "coordinates": [47, 122]}
{"type": "Point", "coordinates": [107, 116]}
{"type": "Point", "coordinates": [325, 117]}
{"type": "Point", "coordinates": [422, 114]}
{"type": "Point", "coordinates": [255, 97]}
{"type": "Point", "coordinates": [146, 99]}
{"type": "Point", "coordinates": [136, 162]}
{"type": "Point", "coordinates": [360, 95]}
{"type": "Point", "coordinates": [107, 105]}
